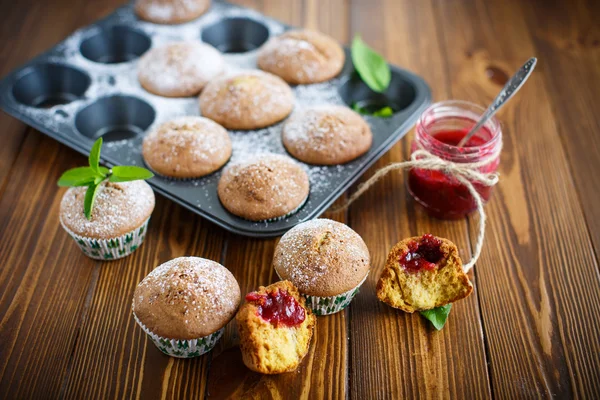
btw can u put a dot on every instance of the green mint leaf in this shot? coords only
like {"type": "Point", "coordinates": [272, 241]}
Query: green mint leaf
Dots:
{"type": "Point", "coordinates": [103, 171]}
{"type": "Point", "coordinates": [95, 155]}
{"type": "Point", "coordinates": [371, 66]}
{"type": "Point", "coordinates": [81, 176]}
{"type": "Point", "coordinates": [88, 202]}
{"type": "Point", "coordinates": [359, 109]}
{"type": "Point", "coordinates": [129, 173]}
{"type": "Point", "coordinates": [438, 316]}
{"type": "Point", "coordinates": [384, 112]}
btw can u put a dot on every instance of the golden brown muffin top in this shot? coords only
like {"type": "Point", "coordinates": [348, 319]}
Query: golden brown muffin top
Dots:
{"type": "Point", "coordinates": [247, 100]}
{"type": "Point", "coordinates": [327, 135]}
{"type": "Point", "coordinates": [179, 69]}
{"type": "Point", "coordinates": [119, 208]}
{"type": "Point", "coordinates": [302, 56]}
{"type": "Point", "coordinates": [187, 147]}
{"type": "Point", "coordinates": [186, 298]}
{"type": "Point", "coordinates": [263, 187]}
{"type": "Point", "coordinates": [171, 11]}
{"type": "Point", "coordinates": [322, 258]}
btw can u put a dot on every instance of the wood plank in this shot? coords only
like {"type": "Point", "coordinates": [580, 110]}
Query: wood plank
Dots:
{"type": "Point", "coordinates": [323, 373]}
{"type": "Point", "coordinates": [394, 354]}
{"type": "Point", "coordinates": [567, 40]}
{"type": "Point", "coordinates": [538, 279]}
{"type": "Point", "coordinates": [45, 279]}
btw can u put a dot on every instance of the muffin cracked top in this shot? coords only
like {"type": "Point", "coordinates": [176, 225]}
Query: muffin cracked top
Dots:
{"type": "Point", "coordinates": [187, 147]}
{"type": "Point", "coordinates": [179, 69]}
{"type": "Point", "coordinates": [266, 186]}
{"type": "Point", "coordinates": [170, 11]}
{"type": "Point", "coordinates": [247, 100]}
{"type": "Point", "coordinates": [322, 258]}
{"type": "Point", "coordinates": [186, 298]}
{"type": "Point", "coordinates": [302, 57]}
{"type": "Point", "coordinates": [327, 135]}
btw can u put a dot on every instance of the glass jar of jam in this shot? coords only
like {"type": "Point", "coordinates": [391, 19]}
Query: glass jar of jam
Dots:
{"type": "Point", "coordinates": [439, 130]}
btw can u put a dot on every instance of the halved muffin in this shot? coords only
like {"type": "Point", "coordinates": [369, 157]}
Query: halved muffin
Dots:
{"type": "Point", "coordinates": [422, 273]}
{"type": "Point", "coordinates": [275, 328]}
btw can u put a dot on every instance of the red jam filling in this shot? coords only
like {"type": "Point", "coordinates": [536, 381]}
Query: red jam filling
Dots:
{"type": "Point", "coordinates": [443, 196]}
{"type": "Point", "coordinates": [422, 254]}
{"type": "Point", "coordinates": [278, 308]}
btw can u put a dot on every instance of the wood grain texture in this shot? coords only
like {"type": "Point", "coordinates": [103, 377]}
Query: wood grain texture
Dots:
{"type": "Point", "coordinates": [538, 278]}
{"type": "Point", "coordinates": [530, 328]}
{"type": "Point", "coordinates": [394, 354]}
{"type": "Point", "coordinates": [567, 39]}
{"type": "Point", "coordinates": [43, 286]}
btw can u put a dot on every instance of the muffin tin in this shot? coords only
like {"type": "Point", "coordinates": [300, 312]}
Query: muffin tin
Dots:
{"type": "Point", "coordinates": [86, 87]}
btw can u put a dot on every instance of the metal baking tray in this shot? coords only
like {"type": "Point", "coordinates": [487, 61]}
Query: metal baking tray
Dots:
{"type": "Point", "coordinates": [86, 87]}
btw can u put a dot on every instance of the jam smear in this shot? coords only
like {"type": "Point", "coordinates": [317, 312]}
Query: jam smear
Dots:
{"type": "Point", "coordinates": [422, 254]}
{"type": "Point", "coordinates": [278, 307]}
{"type": "Point", "coordinates": [442, 195]}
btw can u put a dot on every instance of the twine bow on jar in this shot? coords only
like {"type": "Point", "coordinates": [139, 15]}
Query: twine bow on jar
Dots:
{"type": "Point", "coordinates": [465, 173]}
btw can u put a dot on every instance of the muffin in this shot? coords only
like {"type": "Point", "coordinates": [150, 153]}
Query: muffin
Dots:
{"type": "Point", "coordinates": [264, 187]}
{"type": "Point", "coordinates": [247, 100]}
{"type": "Point", "coordinates": [184, 304]}
{"type": "Point", "coordinates": [302, 56]}
{"type": "Point", "coordinates": [326, 260]}
{"type": "Point", "coordinates": [422, 273]}
{"type": "Point", "coordinates": [327, 135]}
{"type": "Point", "coordinates": [170, 11]}
{"type": "Point", "coordinates": [180, 69]}
{"type": "Point", "coordinates": [275, 328]}
{"type": "Point", "coordinates": [187, 147]}
{"type": "Point", "coordinates": [119, 219]}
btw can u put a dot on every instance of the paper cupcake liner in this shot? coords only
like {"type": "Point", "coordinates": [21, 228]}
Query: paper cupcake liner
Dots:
{"type": "Point", "coordinates": [332, 304]}
{"type": "Point", "coordinates": [110, 249]}
{"type": "Point", "coordinates": [182, 348]}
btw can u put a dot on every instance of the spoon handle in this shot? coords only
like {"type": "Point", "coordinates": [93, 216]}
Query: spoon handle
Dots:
{"type": "Point", "coordinates": [512, 86]}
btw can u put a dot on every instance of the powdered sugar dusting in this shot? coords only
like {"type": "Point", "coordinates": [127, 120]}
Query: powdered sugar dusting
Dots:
{"type": "Point", "coordinates": [180, 69]}
{"type": "Point", "coordinates": [194, 143]}
{"type": "Point", "coordinates": [194, 295]}
{"type": "Point", "coordinates": [118, 209]}
{"type": "Point", "coordinates": [242, 95]}
{"type": "Point", "coordinates": [171, 10]}
{"type": "Point", "coordinates": [322, 255]}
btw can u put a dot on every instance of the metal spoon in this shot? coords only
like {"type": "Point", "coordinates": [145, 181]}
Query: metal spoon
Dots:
{"type": "Point", "coordinates": [507, 92]}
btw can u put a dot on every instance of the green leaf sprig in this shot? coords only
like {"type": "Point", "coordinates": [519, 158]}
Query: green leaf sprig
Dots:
{"type": "Point", "coordinates": [383, 112]}
{"type": "Point", "coordinates": [438, 315]}
{"type": "Point", "coordinates": [95, 174]}
{"type": "Point", "coordinates": [370, 65]}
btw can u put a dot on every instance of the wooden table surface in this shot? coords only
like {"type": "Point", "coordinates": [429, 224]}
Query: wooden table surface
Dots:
{"type": "Point", "coordinates": [531, 328]}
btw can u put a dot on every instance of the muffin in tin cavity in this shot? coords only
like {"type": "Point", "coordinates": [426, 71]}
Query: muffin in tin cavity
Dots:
{"type": "Point", "coordinates": [170, 11]}
{"type": "Point", "coordinates": [187, 147]}
{"type": "Point", "coordinates": [302, 57]}
{"type": "Point", "coordinates": [247, 100]}
{"type": "Point", "coordinates": [326, 135]}
{"type": "Point", "coordinates": [264, 187]}
{"type": "Point", "coordinates": [179, 69]}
